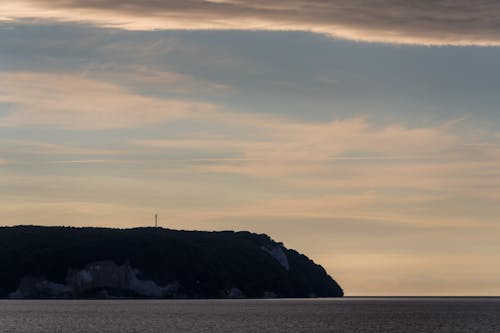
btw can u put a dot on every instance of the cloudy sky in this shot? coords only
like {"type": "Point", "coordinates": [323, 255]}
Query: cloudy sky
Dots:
{"type": "Point", "coordinates": [365, 134]}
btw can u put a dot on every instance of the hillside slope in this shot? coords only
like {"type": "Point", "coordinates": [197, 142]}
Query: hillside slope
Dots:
{"type": "Point", "coordinates": [66, 262]}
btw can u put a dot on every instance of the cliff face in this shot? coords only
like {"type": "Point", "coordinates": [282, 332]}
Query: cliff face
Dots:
{"type": "Point", "coordinates": [97, 279]}
{"type": "Point", "coordinates": [58, 262]}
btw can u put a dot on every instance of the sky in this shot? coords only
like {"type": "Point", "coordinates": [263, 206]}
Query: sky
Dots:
{"type": "Point", "coordinates": [365, 134]}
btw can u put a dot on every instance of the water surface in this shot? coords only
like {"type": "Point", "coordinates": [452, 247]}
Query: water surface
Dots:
{"type": "Point", "coordinates": [285, 315]}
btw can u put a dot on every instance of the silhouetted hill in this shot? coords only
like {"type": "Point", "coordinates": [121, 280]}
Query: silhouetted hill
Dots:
{"type": "Point", "coordinates": [66, 262]}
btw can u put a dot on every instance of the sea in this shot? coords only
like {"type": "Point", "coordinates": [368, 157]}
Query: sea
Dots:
{"type": "Point", "coordinates": [349, 314]}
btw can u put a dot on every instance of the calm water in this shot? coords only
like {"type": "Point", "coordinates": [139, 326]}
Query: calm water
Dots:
{"type": "Point", "coordinates": [327, 315]}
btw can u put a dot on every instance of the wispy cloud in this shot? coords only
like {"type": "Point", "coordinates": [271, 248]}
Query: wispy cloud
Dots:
{"type": "Point", "coordinates": [43, 148]}
{"type": "Point", "coordinates": [290, 147]}
{"type": "Point", "coordinates": [75, 102]}
{"type": "Point", "coordinates": [440, 22]}
{"type": "Point", "coordinates": [149, 78]}
{"type": "Point", "coordinates": [348, 155]}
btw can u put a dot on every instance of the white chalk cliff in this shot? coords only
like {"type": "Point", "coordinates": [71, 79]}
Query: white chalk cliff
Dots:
{"type": "Point", "coordinates": [95, 276]}
{"type": "Point", "coordinates": [277, 252]}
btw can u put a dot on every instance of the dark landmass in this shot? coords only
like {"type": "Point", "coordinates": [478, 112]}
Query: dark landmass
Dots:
{"type": "Point", "coordinates": [66, 262]}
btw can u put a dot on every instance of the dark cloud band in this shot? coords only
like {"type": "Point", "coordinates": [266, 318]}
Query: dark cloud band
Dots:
{"type": "Point", "coordinates": [430, 22]}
